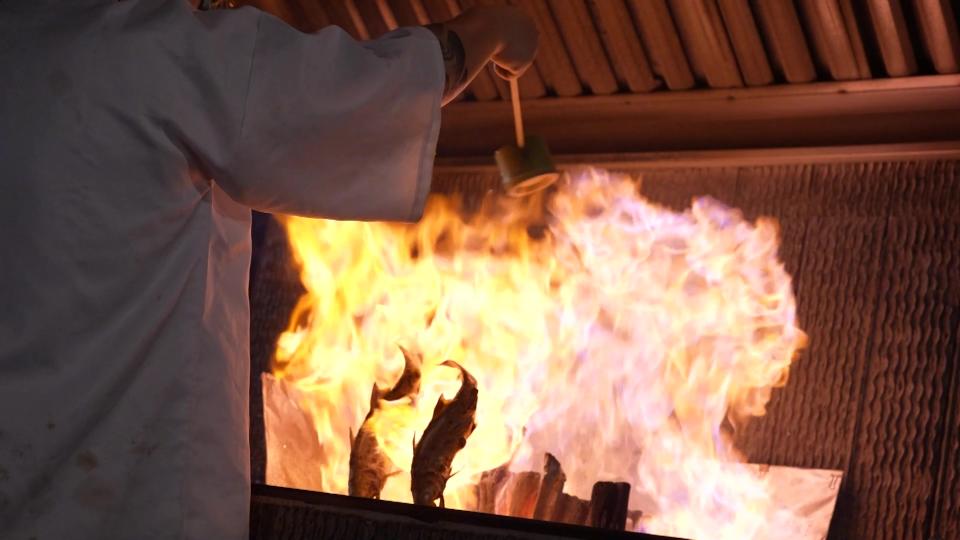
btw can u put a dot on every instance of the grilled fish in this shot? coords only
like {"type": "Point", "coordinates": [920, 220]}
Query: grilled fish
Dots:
{"type": "Point", "coordinates": [452, 423]}
{"type": "Point", "coordinates": [369, 466]}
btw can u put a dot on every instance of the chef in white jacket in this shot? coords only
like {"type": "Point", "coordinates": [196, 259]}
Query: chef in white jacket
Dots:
{"type": "Point", "coordinates": [135, 137]}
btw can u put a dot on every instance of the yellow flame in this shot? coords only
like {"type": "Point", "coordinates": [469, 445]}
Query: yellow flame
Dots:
{"type": "Point", "coordinates": [620, 341]}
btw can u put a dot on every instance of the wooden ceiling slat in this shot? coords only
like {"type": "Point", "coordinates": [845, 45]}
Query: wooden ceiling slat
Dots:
{"type": "Point", "coordinates": [589, 58]}
{"type": "Point", "coordinates": [890, 29]}
{"type": "Point", "coordinates": [606, 46]}
{"type": "Point", "coordinates": [941, 39]}
{"type": "Point", "coordinates": [831, 41]}
{"type": "Point", "coordinates": [784, 36]}
{"type": "Point", "coordinates": [856, 40]}
{"type": "Point", "coordinates": [938, 24]}
{"type": "Point", "coordinates": [313, 13]}
{"type": "Point", "coordinates": [441, 10]}
{"type": "Point", "coordinates": [553, 61]}
{"type": "Point", "coordinates": [357, 19]}
{"type": "Point", "coordinates": [409, 12]}
{"type": "Point", "coordinates": [531, 85]}
{"type": "Point", "coordinates": [705, 39]}
{"type": "Point", "coordinates": [372, 17]}
{"type": "Point", "coordinates": [747, 45]}
{"type": "Point", "coordinates": [900, 110]}
{"type": "Point", "coordinates": [386, 13]}
{"type": "Point", "coordinates": [660, 37]}
{"type": "Point", "coordinates": [623, 45]}
{"type": "Point", "coordinates": [344, 14]}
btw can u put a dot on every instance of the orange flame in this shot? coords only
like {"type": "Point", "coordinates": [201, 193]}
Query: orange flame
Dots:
{"type": "Point", "coordinates": [620, 342]}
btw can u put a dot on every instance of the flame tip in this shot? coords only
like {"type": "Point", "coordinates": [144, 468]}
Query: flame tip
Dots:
{"type": "Point", "coordinates": [632, 332]}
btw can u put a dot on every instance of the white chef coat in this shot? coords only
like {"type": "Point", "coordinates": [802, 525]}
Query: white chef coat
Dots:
{"type": "Point", "coordinates": [123, 269]}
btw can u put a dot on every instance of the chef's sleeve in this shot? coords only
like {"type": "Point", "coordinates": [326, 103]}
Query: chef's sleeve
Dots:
{"type": "Point", "coordinates": [337, 128]}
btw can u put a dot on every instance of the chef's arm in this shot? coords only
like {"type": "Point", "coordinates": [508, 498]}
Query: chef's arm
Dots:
{"type": "Point", "coordinates": [327, 126]}
{"type": "Point", "coordinates": [502, 34]}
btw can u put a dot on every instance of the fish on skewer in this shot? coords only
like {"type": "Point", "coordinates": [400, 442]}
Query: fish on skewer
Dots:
{"type": "Point", "coordinates": [453, 422]}
{"type": "Point", "coordinates": [369, 466]}
{"type": "Point", "coordinates": [408, 385]}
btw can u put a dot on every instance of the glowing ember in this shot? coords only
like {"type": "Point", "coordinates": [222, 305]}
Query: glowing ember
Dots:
{"type": "Point", "coordinates": [620, 342]}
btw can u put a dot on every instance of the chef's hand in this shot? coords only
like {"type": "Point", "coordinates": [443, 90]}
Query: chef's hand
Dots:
{"type": "Point", "coordinates": [518, 39]}
{"type": "Point", "coordinates": [505, 35]}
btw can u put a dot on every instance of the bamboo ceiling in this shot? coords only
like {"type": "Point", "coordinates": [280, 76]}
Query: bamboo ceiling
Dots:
{"type": "Point", "coordinates": [605, 47]}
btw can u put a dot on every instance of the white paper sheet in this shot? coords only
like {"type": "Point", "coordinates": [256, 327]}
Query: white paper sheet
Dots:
{"type": "Point", "coordinates": [810, 494]}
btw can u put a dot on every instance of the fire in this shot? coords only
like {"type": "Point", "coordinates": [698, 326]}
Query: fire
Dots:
{"type": "Point", "coordinates": [623, 340]}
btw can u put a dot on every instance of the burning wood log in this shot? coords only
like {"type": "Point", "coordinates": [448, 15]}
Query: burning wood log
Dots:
{"type": "Point", "coordinates": [633, 519]}
{"type": "Point", "coordinates": [532, 495]}
{"type": "Point", "coordinates": [519, 495]}
{"type": "Point", "coordinates": [489, 487]}
{"type": "Point", "coordinates": [608, 505]}
{"type": "Point", "coordinates": [452, 423]}
{"type": "Point", "coordinates": [571, 510]}
{"type": "Point", "coordinates": [369, 466]}
{"type": "Point", "coordinates": [550, 488]}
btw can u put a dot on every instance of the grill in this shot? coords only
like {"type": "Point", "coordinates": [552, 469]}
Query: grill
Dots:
{"type": "Point", "coordinates": [872, 249]}
{"type": "Point", "coordinates": [289, 514]}
{"type": "Point", "coordinates": [674, 90]}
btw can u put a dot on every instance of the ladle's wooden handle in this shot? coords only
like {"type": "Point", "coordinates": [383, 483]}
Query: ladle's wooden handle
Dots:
{"type": "Point", "coordinates": [517, 117]}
